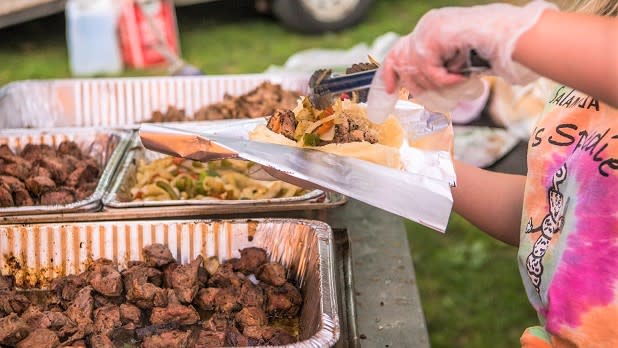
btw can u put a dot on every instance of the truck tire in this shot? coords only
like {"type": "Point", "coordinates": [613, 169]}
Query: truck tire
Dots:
{"type": "Point", "coordinates": [319, 16]}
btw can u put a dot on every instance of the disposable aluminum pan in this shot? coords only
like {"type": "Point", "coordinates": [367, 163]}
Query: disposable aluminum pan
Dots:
{"type": "Point", "coordinates": [105, 145]}
{"type": "Point", "coordinates": [121, 102]}
{"type": "Point", "coordinates": [36, 254]}
{"type": "Point", "coordinates": [119, 196]}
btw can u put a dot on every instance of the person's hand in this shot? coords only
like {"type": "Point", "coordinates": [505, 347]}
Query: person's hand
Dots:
{"type": "Point", "coordinates": [427, 59]}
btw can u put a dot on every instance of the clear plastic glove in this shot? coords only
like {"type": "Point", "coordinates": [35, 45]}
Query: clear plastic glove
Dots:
{"type": "Point", "coordinates": [422, 61]}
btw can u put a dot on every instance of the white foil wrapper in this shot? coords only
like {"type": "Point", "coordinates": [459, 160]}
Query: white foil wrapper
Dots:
{"type": "Point", "coordinates": [420, 191]}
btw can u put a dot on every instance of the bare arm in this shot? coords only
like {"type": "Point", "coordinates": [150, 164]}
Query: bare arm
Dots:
{"type": "Point", "coordinates": [578, 50]}
{"type": "Point", "coordinates": [491, 201]}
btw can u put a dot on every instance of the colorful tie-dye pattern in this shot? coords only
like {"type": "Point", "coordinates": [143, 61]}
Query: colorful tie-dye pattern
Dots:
{"type": "Point", "coordinates": [568, 254]}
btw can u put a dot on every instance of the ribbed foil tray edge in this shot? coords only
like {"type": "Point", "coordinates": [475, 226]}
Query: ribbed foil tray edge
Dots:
{"type": "Point", "coordinates": [94, 201]}
{"type": "Point", "coordinates": [37, 253]}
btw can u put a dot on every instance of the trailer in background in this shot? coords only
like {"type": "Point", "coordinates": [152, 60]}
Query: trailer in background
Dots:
{"type": "Point", "coordinates": [308, 16]}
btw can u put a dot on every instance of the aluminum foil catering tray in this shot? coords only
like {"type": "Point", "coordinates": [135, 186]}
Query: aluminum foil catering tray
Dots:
{"type": "Point", "coordinates": [119, 195]}
{"type": "Point", "coordinates": [105, 145]}
{"type": "Point", "coordinates": [36, 254]}
{"type": "Point", "coordinates": [121, 102]}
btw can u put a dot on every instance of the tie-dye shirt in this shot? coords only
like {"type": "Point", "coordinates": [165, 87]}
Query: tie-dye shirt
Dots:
{"type": "Point", "coordinates": [568, 253]}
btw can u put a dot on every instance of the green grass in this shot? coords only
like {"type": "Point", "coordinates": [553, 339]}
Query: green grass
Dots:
{"type": "Point", "coordinates": [470, 287]}
{"type": "Point", "coordinates": [471, 291]}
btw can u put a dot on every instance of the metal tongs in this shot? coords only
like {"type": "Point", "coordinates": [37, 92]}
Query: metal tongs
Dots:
{"type": "Point", "coordinates": [328, 89]}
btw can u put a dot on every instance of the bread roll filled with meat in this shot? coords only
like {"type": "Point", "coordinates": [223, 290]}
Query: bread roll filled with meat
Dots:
{"type": "Point", "coordinates": [342, 129]}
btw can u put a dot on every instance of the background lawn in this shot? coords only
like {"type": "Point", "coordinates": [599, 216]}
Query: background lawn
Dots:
{"type": "Point", "coordinates": [470, 287]}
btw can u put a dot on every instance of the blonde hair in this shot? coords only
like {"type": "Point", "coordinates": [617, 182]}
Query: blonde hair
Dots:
{"type": "Point", "coordinates": [599, 7]}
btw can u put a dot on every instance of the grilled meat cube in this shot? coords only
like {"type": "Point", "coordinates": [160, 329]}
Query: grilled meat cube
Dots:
{"type": "Point", "coordinates": [273, 273]}
{"type": "Point", "coordinates": [69, 162]}
{"type": "Point", "coordinates": [209, 339]}
{"type": "Point", "coordinates": [355, 68]}
{"type": "Point", "coordinates": [172, 298]}
{"type": "Point", "coordinates": [7, 282]}
{"type": "Point", "coordinates": [101, 341]}
{"type": "Point", "coordinates": [251, 295]}
{"type": "Point", "coordinates": [12, 302]}
{"type": "Point", "coordinates": [66, 288]}
{"type": "Point", "coordinates": [80, 310]}
{"type": "Point", "coordinates": [140, 291]}
{"type": "Point", "coordinates": [106, 319]}
{"type": "Point", "coordinates": [217, 322]}
{"type": "Point", "coordinates": [318, 76]}
{"type": "Point", "coordinates": [171, 115]}
{"type": "Point", "coordinates": [105, 279]}
{"type": "Point", "coordinates": [32, 152]}
{"type": "Point", "coordinates": [70, 148]}
{"type": "Point", "coordinates": [233, 337]}
{"type": "Point", "coordinates": [202, 277]}
{"type": "Point", "coordinates": [75, 343]}
{"type": "Point", "coordinates": [12, 330]}
{"type": "Point", "coordinates": [57, 320]}
{"type": "Point", "coordinates": [11, 183]}
{"type": "Point", "coordinates": [268, 335]}
{"type": "Point", "coordinates": [352, 131]}
{"type": "Point", "coordinates": [226, 277]}
{"type": "Point", "coordinates": [283, 122]}
{"type": "Point", "coordinates": [168, 271]}
{"type": "Point", "coordinates": [205, 298]}
{"type": "Point", "coordinates": [342, 133]}
{"type": "Point", "coordinates": [259, 102]}
{"type": "Point", "coordinates": [62, 195]}
{"type": "Point", "coordinates": [7, 159]}
{"type": "Point", "coordinates": [18, 170]}
{"type": "Point", "coordinates": [36, 319]}
{"type": "Point", "coordinates": [130, 314]}
{"type": "Point", "coordinates": [251, 316]}
{"type": "Point", "coordinates": [40, 338]}
{"type": "Point", "coordinates": [6, 198]}
{"type": "Point", "coordinates": [5, 150]}
{"type": "Point", "coordinates": [55, 167]}
{"type": "Point", "coordinates": [283, 301]}
{"type": "Point", "coordinates": [83, 174]}
{"type": "Point", "coordinates": [360, 96]}
{"type": "Point", "coordinates": [251, 259]}
{"type": "Point", "coordinates": [157, 255]}
{"type": "Point", "coordinates": [227, 301]}
{"type": "Point", "coordinates": [169, 339]}
{"type": "Point", "coordinates": [184, 280]}
{"type": "Point", "coordinates": [21, 197]}
{"type": "Point", "coordinates": [86, 190]}
{"type": "Point", "coordinates": [38, 185]}
{"type": "Point", "coordinates": [182, 315]}
{"type": "Point", "coordinates": [41, 171]}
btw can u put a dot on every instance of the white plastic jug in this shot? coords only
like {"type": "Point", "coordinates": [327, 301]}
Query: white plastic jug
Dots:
{"type": "Point", "coordinates": [92, 37]}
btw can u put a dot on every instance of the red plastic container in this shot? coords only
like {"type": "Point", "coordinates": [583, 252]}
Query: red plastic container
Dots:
{"type": "Point", "coordinates": [148, 33]}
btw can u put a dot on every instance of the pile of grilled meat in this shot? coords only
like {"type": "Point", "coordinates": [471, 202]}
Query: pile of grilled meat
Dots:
{"type": "Point", "coordinates": [156, 303]}
{"type": "Point", "coordinates": [348, 129]}
{"type": "Point", "coordinates": [259, 102]}
{"type": "Point", "coordinates": [42, 175]}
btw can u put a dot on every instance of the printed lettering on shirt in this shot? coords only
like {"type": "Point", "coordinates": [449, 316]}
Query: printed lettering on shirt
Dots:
{"type": "Point", "coordinates": [569, 98]}
{"type": "Point", "coordinates": [592, 142]}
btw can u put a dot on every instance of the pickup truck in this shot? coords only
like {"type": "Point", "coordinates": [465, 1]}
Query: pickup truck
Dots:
{"type": "Point", "coordinates": [308, 16]}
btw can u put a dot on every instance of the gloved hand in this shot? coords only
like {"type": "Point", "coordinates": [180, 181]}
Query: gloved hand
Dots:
{"type": "Point", "coordinates": [419, 60]}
